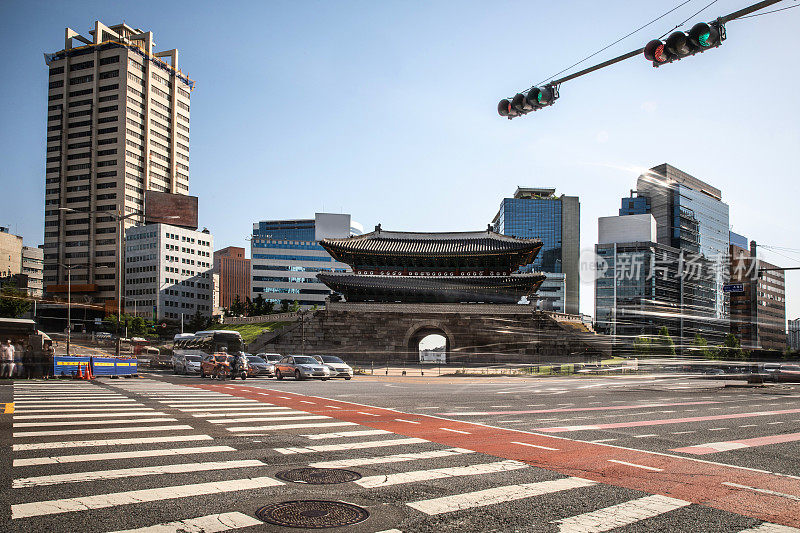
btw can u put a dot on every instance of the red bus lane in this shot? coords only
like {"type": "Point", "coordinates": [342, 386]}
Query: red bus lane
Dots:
{"type": "Point", "coordinates": [759, 494]}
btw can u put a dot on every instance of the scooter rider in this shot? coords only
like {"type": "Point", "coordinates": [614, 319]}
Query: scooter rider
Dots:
{"type": "Point", "coordinates": [239, 363]}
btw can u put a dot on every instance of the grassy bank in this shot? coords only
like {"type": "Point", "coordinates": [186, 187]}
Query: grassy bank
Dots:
{"type": "Point", "coordinates": [250, 331]}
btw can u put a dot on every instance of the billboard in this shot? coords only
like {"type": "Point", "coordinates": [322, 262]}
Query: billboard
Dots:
{"type": "Point", "coordinates": [166, 208]}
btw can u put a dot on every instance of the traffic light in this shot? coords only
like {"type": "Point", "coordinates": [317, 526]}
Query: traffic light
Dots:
{"type": "Point", "coordinates": [681, 44]}
{"type": "Point", "coordinates": [522, 104]}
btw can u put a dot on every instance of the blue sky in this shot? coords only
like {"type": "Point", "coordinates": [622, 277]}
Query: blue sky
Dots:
{"type": "Point", "coordinates": [386, 110]}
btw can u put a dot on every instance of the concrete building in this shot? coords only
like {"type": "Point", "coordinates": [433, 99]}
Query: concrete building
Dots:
{"type": "Point", "coordinates": [234, 275]}
{"type": "Point", "coordinates": [168, 271]}
{"type": "Point", "coordinates": [117, 126]}
{"type": "Point", "coordinates": [690, 216]}
{"type": "Point", "coordinates": [286, 257]}
{"type": "Point", "coordinates": [10, 253]}
{"type": "Point", "coordinates": [643, 285]}
{"type": "Point", "coordinates": [33, 269]}
{"type": "Point", "coordinates": [793, 335]}
{"type": "Point", "coordinates": [539, 213]}
{"type": "Point", "coordinates": [758, 314]}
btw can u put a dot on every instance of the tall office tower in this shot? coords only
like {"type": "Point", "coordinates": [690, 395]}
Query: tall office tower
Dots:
{"type": "Point", "coordinates": [690, 216]}
{"type": "Point", "coordinates": [539, 213]}
{"type": "Point", "coordinates": [793, 334]}
{"type": "Point", "coordinates": [234, 275]}
{"type": "Point", "coordinates": [117, 126]}
{"type": "Point", "coordinates": [285, 256]}
{"type": "Point", "coordinates": [758, 313]}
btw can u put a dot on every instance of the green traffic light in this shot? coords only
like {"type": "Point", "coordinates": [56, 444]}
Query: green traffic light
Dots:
{"type": "Point", "coordinates": [703, 39]}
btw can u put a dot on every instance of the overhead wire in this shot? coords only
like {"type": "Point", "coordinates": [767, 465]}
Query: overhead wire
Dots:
{"type": "Point", "coordinates": [768, 12]}
{"type": "Point", "coordinates": [690, 18]}
{"type": "Point", "coordinates": [615, 42]}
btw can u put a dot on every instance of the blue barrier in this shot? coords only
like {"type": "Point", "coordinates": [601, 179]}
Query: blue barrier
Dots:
{"type": "Point", "coordinates": [101, 366]}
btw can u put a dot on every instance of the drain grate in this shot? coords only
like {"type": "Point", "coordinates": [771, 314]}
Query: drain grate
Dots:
{"type": "Point", "coordinates": [312, 514]}
{"type": "Point", "coordinates": [318, 476]}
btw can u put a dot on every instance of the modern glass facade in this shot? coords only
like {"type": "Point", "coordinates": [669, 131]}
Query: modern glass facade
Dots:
{"type": "Point", "coordinates": [286, 257]}
{"type": "Point", "coordinates": [540, 214]}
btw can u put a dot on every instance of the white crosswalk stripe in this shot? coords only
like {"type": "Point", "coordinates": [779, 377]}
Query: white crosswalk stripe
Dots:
{"type": "Point", "coordinates": [350, 446]}
{"type": "Point", "coordinates": [143, 411]}
{"type": "Point", "coordinates": [78, 477]}
{"type": "Point", "coordinates": [482, 498]}
{"type": "Point", "coordinates": [372, 482]}
{"type": "Point", "coordinates": [107, 442]}
{"type": "Point", "coordinates": [179, 427]}
{"type": "Point", "coordinates": [266, 419]}
{"type": "Point", "coordinates": [214, 523]}
{"type": "Point", "coordinates": [619, 515]}
{"type": "Point", "coordinates": [766, 527]}
{"type": "Point", "coordinates": [233, 410]}
{"type": "Point", "coordinates": [132, 454]}
{"type": "Point", "coordinates": [347, 434]}
{"type": "Point", "coordinates": [277, 427]}
{"type": "Point", "coordinates": [91, 422]}
{"type": "Point", "coordinates": [115, 499]}
{"type": "Point", "coordinates": [396, 458]}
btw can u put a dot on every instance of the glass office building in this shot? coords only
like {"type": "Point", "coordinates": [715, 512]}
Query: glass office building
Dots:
{"type": "Point", "coordinates": [286, 257]}
{"type": "Point", "coordinates": [538, 213]}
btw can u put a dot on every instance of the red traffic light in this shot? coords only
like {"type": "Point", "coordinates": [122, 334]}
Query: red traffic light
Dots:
{"type": "Point", "coordinates": [680, 44]}
{"type": "Point", "coordinates": [654, 51]}
{"type": "Point", "coordinates": [505, 110]}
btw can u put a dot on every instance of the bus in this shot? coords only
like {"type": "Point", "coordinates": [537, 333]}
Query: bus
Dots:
{"type": "Point", "coordinates": [205, 343]}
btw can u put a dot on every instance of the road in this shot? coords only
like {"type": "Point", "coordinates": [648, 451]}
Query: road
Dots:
{"type": "Point", "coordinates": [416, 453]}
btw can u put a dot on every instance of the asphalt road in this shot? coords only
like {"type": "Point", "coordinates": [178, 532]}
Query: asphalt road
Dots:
{"type": "Point", "coordinates": [434, 454]}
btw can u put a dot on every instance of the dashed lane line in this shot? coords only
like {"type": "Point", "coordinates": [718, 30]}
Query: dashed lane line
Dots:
{"type": "Point", "coordinates": [634, 465]}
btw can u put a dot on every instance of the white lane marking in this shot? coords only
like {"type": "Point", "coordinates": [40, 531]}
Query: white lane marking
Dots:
{"type": "Point", "coordinates": [291, 426]}
{"type": "Point", "coordinates": [266, 419]}
{"type": "Point", "coordinates": [765, 491]}
{"type": "Point", "coordinates": [23, 434]}
{"type": "Point", "coordinates": [120, 455]}
{"type": "Point", "coordinates": [344, 434]}
{"type": "Point", "coordinates": [372, 482]}
{"type": "Point", "coordinates": [619, 515]}
{"type": "Point", "coordinates": [107, 442]}
{"type": "Point", "coordinates": [648, 435]}
{"type": "Point", "coordinates": [210, 404]}
{"type": "Point", "coordinates": [535, 446]}
{"type": "Point", "coordinates": [396, 458]}
{"type": "Point", "coordinates": [390, 531]}
{"type": "Point", "coordinates": [767, 527]}
{"type": "Point", "coordinates": [93, 422]}
{"type": "Point", "coordinates": [682, 432]}
{"type": "Point", "coordinates": [654, 469]}
{"type": "Point", "coordinates": [180, 468]}
{"type": "Point", "coordinates": [409, 421]}
{"type": "Point", "coordinates": [100, 501]}
{"type": "Point", "coordinates": [350, 446]}
{"type": "Point", "coordinates": [146, 411]}
{"type": "Point", "coordinates": [598, 441]}
{"type": "Point", "coordinates": [481, 498]}
{"type": "Point", "coordinates": [456, 431]}
{"type": "Point", "coordinates": [213, 523]}
{"type": "Point", "coordinates": [333, 407]}
{"type": "Point", "coordinates": [368, 414]}
{"type": "Point", "coordinates": [244, 408]}
{"type": "Point", "coordinates": [306, 401]}
{"type": "Point", "coordinates": [285, 398]}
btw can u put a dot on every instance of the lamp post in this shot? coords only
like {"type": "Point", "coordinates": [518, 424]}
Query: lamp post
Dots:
{"type": "Point", "coordinates": [69, 303]}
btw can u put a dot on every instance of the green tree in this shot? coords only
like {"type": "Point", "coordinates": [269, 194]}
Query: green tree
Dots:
{"type": "Point", "coordinates": [248, 306]}
{"type": "Point", "coordinates": [237, 308]}
{"type": "Point", "coordinates": [294, 307]}
{"type": "Point", "coordinates": [284, 306]}
{"type": "Point", "coordinates": [732, 348]}
{"type": "Point", "coordinates": [258, 305]}
{"type": "Point", "coordinates": [643, 345]}
{"type": "Point", "coordinates": [269, 307]}
{"type": "Point", "coordinates": [198, 322]}
{"type": "Point", "coordinates": [703, 349]}
{"type": "Point", "coordinates": [664, 342]}
{"type": "Point", "coordinates": [13, 302]}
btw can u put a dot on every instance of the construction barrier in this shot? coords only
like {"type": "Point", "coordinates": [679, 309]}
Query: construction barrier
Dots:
{"type": "Point", "coordinates": [100, 366]}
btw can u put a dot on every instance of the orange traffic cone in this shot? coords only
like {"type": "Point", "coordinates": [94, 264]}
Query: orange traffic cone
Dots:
{"type": "Point", "coordinates": [89, 374]}
{"type": "Point", "coordinates": [80, 371]}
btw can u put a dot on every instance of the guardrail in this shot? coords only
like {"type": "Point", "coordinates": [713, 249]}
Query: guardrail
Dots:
{"type": "Point", "coordinates": [101, 366]}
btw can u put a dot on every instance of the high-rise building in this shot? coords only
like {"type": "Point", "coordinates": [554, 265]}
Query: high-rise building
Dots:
{"type": "Point", "coordinates": [539, 213]}
{"type": "Point", "coordinates": [33, 269]}
{"type": "Point", "coordinates": [168, 271]}
{"type": "Point", "coordinates": [758, 313]}
{"type": "Point", "coordinates": [643, 285]}
{"type": "Point", "coordinates": [117, 126]}
{"type": "Point", "coordinates": [793, 334]}
{"type": "Point", "coordinates": [286, 256]}
{"type": "Point", "coordinates": [234, 275]}
{"type": "Point", "coordinates": [690, 216]}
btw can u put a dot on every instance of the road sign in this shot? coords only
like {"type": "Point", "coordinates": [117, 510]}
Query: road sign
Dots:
{"type": "Point", "coordinates": [733, 287]}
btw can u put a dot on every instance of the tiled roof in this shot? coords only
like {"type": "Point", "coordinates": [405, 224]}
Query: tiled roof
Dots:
{"type": "Point", "coordinates": [431, 244]}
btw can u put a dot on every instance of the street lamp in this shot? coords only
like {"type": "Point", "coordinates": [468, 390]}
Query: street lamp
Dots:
{"type": "Point", "coordinates": [69, 302]}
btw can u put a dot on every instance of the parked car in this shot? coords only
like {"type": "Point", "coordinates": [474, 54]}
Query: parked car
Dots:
{"type": "Point", "coordinates": [338, 368]}
{"type": "Point", "coordinates": [301, 367]}
{"type": "Point", "coordinates": [260, 366]}
{"type": "Point", "coordinates": [187, 364]}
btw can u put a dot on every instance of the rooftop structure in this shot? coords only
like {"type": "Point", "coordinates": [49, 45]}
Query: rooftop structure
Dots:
{"type": "Point", "coordinates": [390, 266]}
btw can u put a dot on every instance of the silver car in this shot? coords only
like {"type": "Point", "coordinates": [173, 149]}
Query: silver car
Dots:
{"type": "Point", "coordinates": [187, 364]}
{"type": "Point", "coordinates": [339, 369]}
{"type": "Point", "coordinates": [301, 367]}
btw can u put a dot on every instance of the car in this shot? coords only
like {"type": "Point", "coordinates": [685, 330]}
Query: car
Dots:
{"type": "Point", "coordinates": [187, 364]}
{"type": "Point", "coordinates": [301, 367]}
{"type": "Point", "coordinates": [260, 366]}
{"type": "Point", "coordinates": [211, 364]}
{"type": "Point", "coordinates": [338, 368]}
{"type": "Point", "coordinates": [788, 374]}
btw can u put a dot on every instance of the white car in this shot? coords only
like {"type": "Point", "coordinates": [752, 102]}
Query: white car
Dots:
{"type": "Point", "coordinates": [338, 368]}
{"type": "Point", "coordinates": [187, 364]}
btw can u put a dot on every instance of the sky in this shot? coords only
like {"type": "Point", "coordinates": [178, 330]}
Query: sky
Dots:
{"type": "Point", "coordinates": [387, 110]}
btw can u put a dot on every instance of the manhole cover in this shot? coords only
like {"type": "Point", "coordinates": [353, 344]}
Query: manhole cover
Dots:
{"type": "Point", "coordinates": [318, 476]}
{"type": "Point", "coordinates": [312, 514]}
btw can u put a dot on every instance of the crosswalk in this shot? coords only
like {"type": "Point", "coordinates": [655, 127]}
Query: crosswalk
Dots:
{"type": "Point", "coordinates": [82, 448]}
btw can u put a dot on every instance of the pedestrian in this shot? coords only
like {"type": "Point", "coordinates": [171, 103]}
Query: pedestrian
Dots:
{"type": "Point", "coordinates": [6, 359]}
{"type": "Point", "coordinates": [19, 351]}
